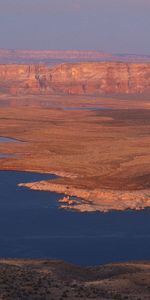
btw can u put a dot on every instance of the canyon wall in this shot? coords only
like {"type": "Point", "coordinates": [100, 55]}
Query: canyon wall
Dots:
{"type": "Point", "coordinates": [95, 78]}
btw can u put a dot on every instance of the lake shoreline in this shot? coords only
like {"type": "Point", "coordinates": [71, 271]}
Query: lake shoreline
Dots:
{"type": "Point", "coordinates": [101, 200]}
{"type": "Point", "coordinates": [96, 200]}
{"type": "Point", "coordinates": [101, 156]}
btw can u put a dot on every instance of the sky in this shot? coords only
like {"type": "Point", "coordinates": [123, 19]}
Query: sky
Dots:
{"type": "Point", "coordinates": [116, 26]}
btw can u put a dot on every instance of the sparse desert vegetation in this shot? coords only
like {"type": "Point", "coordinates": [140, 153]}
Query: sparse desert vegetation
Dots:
{"type": "Point", "coordinates": [49, 280]}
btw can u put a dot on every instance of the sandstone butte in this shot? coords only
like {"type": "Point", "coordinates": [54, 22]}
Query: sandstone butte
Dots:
{"type": "Point", "coordinates": [92, 78]}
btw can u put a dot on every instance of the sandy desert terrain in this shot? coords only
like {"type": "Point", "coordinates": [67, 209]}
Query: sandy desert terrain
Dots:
{"type": "Point", "coordinates": [102, 155]}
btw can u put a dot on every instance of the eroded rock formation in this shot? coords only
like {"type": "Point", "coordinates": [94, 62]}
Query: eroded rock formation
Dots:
{"type": "Point", "coordinates": [78, 78]}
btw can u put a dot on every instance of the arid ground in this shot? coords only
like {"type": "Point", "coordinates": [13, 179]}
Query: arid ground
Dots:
{"type": "Point", "coordinates": [41, 279]}
{"type": "Point", "coordinates": [103, 156]}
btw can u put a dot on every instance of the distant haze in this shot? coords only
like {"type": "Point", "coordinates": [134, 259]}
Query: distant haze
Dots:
{"type": "Point", "coordinates": [118, 26]}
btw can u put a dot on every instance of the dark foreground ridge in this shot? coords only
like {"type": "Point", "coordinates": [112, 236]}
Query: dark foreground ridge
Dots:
{"type": "Point", "coordinates": [44, 279]}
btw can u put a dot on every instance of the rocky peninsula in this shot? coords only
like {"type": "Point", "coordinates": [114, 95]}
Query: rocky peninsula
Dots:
{"type": "Point", "coordinates": [96, 200]}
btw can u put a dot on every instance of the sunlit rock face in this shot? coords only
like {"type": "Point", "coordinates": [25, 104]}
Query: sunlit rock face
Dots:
{"type": "Point", "coordinates": [16, 79]}
{"type": "Point", "coordinates": [103, 77]}
{"type": "Point", "coordinates": [77, 78]}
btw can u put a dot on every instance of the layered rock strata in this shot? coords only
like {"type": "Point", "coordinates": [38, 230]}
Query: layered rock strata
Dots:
{"type": "Point", "coordinates": [79, 78]}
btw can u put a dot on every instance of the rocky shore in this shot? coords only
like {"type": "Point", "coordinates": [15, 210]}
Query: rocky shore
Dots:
{"type": "Point", "coordinates": [102, 200]}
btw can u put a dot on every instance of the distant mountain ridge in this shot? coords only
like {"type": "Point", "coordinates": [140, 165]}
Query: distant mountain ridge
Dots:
{"type": "Point", "coordinates": [54, 56]}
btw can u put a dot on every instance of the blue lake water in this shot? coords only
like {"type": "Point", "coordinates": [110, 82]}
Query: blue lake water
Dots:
{"type": "Point", "coordinates": [6, 155]}
{"type": "Point", "coordinates": [32, 226]}
{"type": "Point", "coordinates": [8, 140]}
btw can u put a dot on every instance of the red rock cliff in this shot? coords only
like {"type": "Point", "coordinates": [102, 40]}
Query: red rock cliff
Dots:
{"type": "Point", "coordinates": [79, 78]}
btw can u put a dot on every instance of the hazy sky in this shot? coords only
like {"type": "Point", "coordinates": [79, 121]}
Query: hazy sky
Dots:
{"type": "Point", "coordinates": [107, 25]}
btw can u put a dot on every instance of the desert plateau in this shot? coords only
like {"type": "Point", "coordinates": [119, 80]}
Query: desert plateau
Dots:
{"type": "Point", "coordinates": [101, 154]}
{"type": "Point", "coordinates": [85, 124]}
